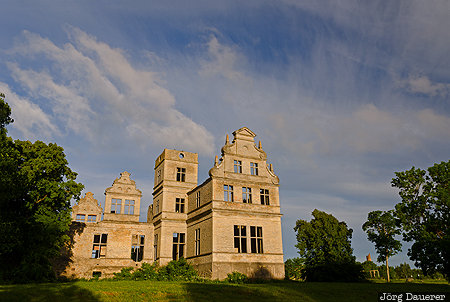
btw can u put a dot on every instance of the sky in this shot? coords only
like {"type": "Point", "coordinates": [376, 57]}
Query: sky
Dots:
{"type": "Point", "coordinates": [342, 94]}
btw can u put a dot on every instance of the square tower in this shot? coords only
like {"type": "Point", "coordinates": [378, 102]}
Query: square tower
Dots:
{"type": "Point", "coordinates": [175, 175]}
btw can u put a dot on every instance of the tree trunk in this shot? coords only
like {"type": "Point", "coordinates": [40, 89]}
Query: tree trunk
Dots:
{"type": "Point", "coordinates": [387, 270]}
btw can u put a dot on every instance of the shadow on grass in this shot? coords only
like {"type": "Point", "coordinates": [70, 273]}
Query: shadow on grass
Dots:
{"type": "Point", "coordinates": [225, 292]}
{"type": "Point", "coordinates": [47, 292]}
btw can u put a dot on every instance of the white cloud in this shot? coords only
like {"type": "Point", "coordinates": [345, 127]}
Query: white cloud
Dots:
{"type": "Point", "coordinates": [423, 85]}
{"type": "Point", "coordinates": [93, 87]}
{"type": "Point", "coordinates": [28, 117]}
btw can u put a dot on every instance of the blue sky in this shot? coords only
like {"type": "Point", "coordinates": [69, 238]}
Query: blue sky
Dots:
{"type": "Point", "coordinates": [341, 93]}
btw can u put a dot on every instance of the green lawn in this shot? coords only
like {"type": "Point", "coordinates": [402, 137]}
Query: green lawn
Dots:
{"type": "Point", "coordinates": [184, 291]}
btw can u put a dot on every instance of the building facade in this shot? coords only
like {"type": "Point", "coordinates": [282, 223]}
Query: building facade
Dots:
{"type": "Point", "coordinates": [230, 222]}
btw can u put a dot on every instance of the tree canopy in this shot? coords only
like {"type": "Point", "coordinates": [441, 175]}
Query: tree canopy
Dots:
{"type": "Point", "coordinates": [36, 186]}
{"type": "Point", "coordinates": [325, 245]}
{"type": "Point", "coordinates": [381, 229]}
{"type": "Point", "coordinates": [424, 214]}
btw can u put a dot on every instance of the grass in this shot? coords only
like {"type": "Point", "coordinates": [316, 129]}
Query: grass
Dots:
{"type": "Point", "coordinates": [190, 291]}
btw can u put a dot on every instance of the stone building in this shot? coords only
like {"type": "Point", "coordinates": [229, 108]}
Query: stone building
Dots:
{"type": "Point", "coordinates": [230, 222]}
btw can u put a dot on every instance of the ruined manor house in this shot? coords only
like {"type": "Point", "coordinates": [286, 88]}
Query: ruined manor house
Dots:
{"type": "Point", "coordinates": [230, 222]}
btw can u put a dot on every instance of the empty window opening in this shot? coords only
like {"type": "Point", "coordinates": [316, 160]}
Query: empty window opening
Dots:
{"type": "Point", "coordinates": [240, 238]}
{"type": "Point", "coordinates": [181, 174]}
{"type": "Point", "coordinates": [178, 246]}
{"type": "Point", "coordinates": [137, 247]}
{"type": "Point", "coordinates": [99, 247]}
{"type": "Point", "coordinates": [179, 205]}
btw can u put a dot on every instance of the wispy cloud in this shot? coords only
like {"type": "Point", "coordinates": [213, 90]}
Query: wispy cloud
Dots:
{"type": "Point", "coordinates": [92, 86]}
{"type": "Point", "coordinates": [28, 117]}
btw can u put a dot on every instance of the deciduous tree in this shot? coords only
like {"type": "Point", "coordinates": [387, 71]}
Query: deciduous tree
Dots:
{"type": "Point", "coordinates": [325, 245]}
{"type": "Point", "coordinates": [36, 186]}
{"type": "Point", "coordinates": [381, 229]}
{"type": "Point", "coordinates": [424, 213]}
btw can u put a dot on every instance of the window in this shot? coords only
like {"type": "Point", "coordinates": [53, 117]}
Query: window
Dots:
{"type": "Point", "coordinates": [197, 199]}
{"type": "Point", "coordinates": [264, 194]}
{"type": "Point", "coordinates": [240, 238]}
{"type": "Point", "coordinates": [129, 207]}
{"type": "Point", "coordinates": [253, 168]}
{"type": "Point", "coordinates": [197, 242]}
{"type": "Point", "coordinates": [92, 218]}
{"type": "Point", "coordinates": [155, 247]}
{"type": "Point", "coordinates": [137, 247]}
{"type": "Point", "coordinates": [80, 217]}
{"type": "Point", "coordinates": [116, 204]}
{"type": "Point", "coordinates": [158, 176]}
{"type": "Point", "coordinates": [99, 247]}
{"type": "Point", "coordinates": [179, 205]}
{"type": "Point", "coordinates": [178, 246]}
{"type": "Point", "coordinates": [256, 240]}
{"type": "Point", "coordinates": [237, 166]}
{"type": "Point", "coordinates": [181, 174]}
{"type": "Point", "coordinates": [228, 193]}
{"type": "Point", "coordinates": [246, 195]}
{"type": "Point", "coordinates": [157, 206]}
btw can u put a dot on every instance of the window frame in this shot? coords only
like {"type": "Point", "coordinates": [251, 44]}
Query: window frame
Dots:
{"type": "Point", "coordinates": [178, 244]}
{"type": "Point", "coordinates": [99, 247]}
{"type": "Point", "coordinates": [197, 242]}
{"type": "Point", "coordinates": [256, 240]}
{"type": "Point", "coordinates": [89, 218]}
{"type": "Point", "coordinates": [237, 166]}
{"type": "Point", "coordinates": [264, 196]}
{"type": "Point", "coordinates": [181, 174]}
{"type": "Point", "coordinates": [240, 238]}
{"type": "Point", "coordinates": [246, 194]}
{"type": "Point", "coordinates": [180, 205]}
{"type": "Point", "coordinates": [155, 247]}
{"type": "Point", "coordinates": [117, 204]}
{"type": "Point", "coordinates": [137, 247]}
{"type": "Point", "coordinates": [128, 207]}
{"type": "Point", "coordinates": [78, 218]}
{"type": "Point", "coordinates": [254, 169]}
{"type": "Point", "coordinates": [197, 199]}
{"type": "Point", "coordinates": [228, 193]}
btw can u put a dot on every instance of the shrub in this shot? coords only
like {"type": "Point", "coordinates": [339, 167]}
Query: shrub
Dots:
{"type": "Point", "coordinates": [178, 270]}
{"type": "Point", "coordinates": [124, 274]}
{"type": "Point", "coordinates": [236, 277]}
{"type": "Point", "coordinates": [146, 272]}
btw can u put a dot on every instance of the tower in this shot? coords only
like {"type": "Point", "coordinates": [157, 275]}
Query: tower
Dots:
{"type": "Point", "coordinates": [175, 175]}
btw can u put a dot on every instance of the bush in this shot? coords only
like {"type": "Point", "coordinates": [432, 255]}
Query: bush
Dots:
{"type": "Point", "coordinates": [293, 269]}
{"type": "Point", "coordinates": [146, 272]}
{"type": "Point", "coordinates": [178, 270]}
{"type": "Point", "coordinates": [124, 274]}
{"type": "Point", "coordinates": [237, 277]}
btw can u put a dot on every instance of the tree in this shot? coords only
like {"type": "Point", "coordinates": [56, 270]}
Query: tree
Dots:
{"type": "Point", "coordinates": [36, 186]}
{"type": "Point", "coordinates": [293, 268]}
{"type": "Point", "coordinates": [325, 245]}
{"type": "Point", "coordinates": [381, 229]}
{"type": "Point", "coordinates": [424, 214]}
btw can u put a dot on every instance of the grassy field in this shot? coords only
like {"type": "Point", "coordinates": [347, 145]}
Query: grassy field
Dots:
{"type": "Point", "coordinates": [185, 291]}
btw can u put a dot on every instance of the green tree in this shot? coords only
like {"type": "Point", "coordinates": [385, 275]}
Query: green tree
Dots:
{"type": "Point", "coordinates": [404, 271]}
{"type": "Point", "coordinates": [424, 213]}
{"type": "Point", "coordinates": [381, 229]}
{"type": "Point", "coordinates": [293, 268]}
{"type": "Point", "coordinates": [324, 244]}
{"type": "Point", "coordinates": [36, 186]}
